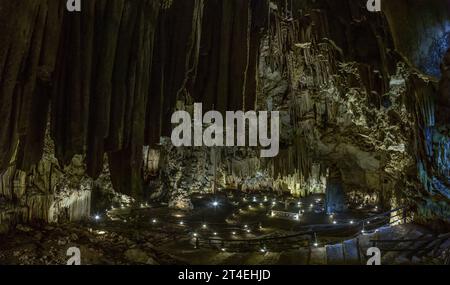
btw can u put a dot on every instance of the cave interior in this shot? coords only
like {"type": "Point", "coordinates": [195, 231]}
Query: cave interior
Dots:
{"type": "Point", "coordinates": [355, 105]}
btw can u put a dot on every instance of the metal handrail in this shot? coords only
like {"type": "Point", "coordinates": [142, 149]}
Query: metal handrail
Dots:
{"type": "Point", "coordinates": [311, 233]}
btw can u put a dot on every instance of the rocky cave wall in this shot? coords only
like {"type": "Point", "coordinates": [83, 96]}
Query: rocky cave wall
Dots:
{"type": "Point", "coordinates": [108, 80]}
{"type": "Point", "coordinates": [339, 104]}
{"type": "Point", "coordinates": [104, 83]}
{"type": "Point", "coordinates": [354, 99]}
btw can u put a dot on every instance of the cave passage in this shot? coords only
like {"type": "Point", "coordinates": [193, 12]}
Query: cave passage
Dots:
{"type": "Point", "coordinates": [224, 132]}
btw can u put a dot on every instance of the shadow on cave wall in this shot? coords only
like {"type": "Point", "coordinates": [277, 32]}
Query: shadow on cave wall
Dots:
{"type": "Point", "coordinates": [421, 31]}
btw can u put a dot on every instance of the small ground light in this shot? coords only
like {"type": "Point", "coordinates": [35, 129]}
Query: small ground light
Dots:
{"type": "Point", "coordinates": [223, 249]}
{"type": "Point", "coordinates": [215, 203]}
{"type": "Point", "coordinates": [215, 234]}
{"type": "Point", "coordinates": [154, 221]}
{"type": "Point", "coordinates": [263, 250]}
{"type": "Point", "coordinates": [181, 223]}
{"type": "Point", "coordinates": [195, 234]}
{"type": "Point", "coordinates": [204, 226]}
{"type": "Point", "coordinates": [233, 233]}
{"type": "Point", "coordinates": [245, 226]}
{"type": "Point", "coordinates": [351, 222]}
{"type": "Point", "coordinates": [334, 222]}
{"type": "Point", "coordinates": [97, 217]}
{"type": "Point", "coordinates": [316, 244]}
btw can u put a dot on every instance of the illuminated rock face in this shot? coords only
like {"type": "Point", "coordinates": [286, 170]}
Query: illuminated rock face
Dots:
{"type": "Point", "coordinates": [434, 163]}
{"type": "Point", "coordinates": [109, 86]}
{"type": "Point", "coordinates": [46, 194]}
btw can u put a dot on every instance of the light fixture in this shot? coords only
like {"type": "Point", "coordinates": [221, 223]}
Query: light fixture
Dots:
{"type": "Point", "coordinates": [233, 233]}
{"type": "Point", "coordinates": [245, 226]}
{"type": "Point", "coordinates": [154, 221]}
{"type": "Point", "coordinates": [215, 203]}
{"type": "Point", "coordinates": [97, 217]}
{"type": "Point", "coordinates": [195, 234]}
{"type": "Point", "coordinates": [223, 249]}
{"type": "Point", "coordinates": [215, 234]}
{"type": "Point", "coordinates": [181, 223]}
{"type": "Point", "coordinates": [334, 222]}
{"type": "Point", "coordinates": [263, 250]}
{"type": "Point", "coordinates": [316, 244]}
{"type": "Point", "coordinates": [204, 226]}
{"type": "Point", "coordinates": [249, 231]}
{"type": "Point", "coordinates": [351, 222]}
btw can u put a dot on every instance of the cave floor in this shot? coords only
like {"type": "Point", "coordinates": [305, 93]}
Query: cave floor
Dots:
{"type": "Point", "coordinates": [156, 234]}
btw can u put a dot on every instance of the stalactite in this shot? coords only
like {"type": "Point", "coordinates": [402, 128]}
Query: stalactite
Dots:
{"type": "Point", "coordinates": [72, 206]}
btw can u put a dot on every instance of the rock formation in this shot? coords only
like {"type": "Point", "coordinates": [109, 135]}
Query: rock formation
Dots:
{"type": "Point", "coordinates": [357, 98]}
